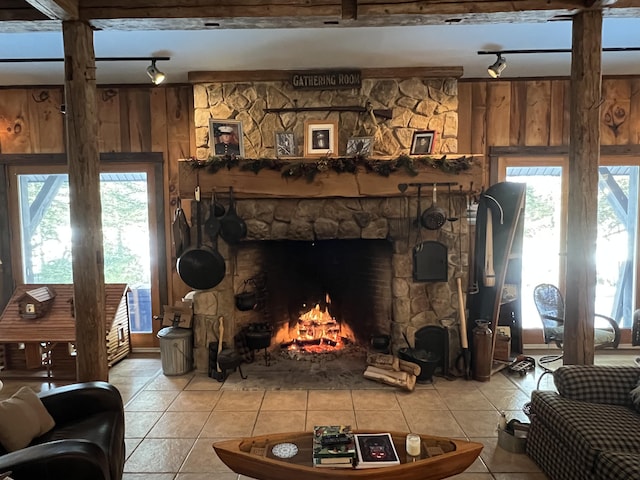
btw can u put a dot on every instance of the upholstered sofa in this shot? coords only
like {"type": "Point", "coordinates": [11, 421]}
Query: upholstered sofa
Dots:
{"type": "Point", "coordinates": [590, 428]}
{"type": "Point", "coordinates": [86, 442]}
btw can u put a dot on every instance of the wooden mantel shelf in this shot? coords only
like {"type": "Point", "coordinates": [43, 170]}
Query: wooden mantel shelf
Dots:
{"type": "Point", "coordinates": [270, 184]}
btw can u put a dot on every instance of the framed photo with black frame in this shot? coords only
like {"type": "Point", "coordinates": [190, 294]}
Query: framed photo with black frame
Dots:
{"type": "Point", "coordinates": [226, 137]}
{"type": "Point", "coordinates": [362, 146]}
{"type": "Point", "coordinates": [422, 143]}
{"type": "Point", "coordinates": [285, 143]}
{"type": "Point", "coordinates": [320, 138]}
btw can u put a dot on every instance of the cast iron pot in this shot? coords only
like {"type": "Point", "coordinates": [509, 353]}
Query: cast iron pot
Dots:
{"type": "Point", "coordinates": [258, 336]}
{"type": "Point", "coordinates": [246, 301]}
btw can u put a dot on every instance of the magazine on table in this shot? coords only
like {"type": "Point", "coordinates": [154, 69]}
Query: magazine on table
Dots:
{"type": "Point", "coordinates": [375, 450]}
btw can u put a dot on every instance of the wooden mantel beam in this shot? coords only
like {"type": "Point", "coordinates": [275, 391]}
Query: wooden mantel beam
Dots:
{"type": "Point", "coordinates": [56, 9]}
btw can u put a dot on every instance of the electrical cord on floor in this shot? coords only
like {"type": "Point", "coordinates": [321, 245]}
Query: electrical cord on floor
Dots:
{"type": "Point", "coordinates": [542, 363]}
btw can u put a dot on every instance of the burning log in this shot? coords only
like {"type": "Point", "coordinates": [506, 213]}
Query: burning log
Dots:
{"type": "Point", "coordinates": [404, 380]}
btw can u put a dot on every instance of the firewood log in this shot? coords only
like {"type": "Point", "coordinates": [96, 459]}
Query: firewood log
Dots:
{"type": "Point", "coordinates": [383, 360]}
{"type": "Point", "coordinates": [412, 368]}
{"type": "Point", "coordinates": [402, 380]}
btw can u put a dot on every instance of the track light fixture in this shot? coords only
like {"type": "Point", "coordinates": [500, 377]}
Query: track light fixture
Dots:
{"type": "Point", "coordinates": [500, 64]}
{"type": "Point", "coordinates": [495, 70]}
{"type": "Point", "coordinates": [156, 76]}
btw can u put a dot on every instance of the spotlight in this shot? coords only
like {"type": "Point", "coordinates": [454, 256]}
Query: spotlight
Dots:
{"type": "Point", "coordinates": [496, 69]}
{"type": "Point", "coordinates": [156, 76]}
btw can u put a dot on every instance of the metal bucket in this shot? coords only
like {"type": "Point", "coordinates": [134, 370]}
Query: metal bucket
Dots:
{"type": "Point", "coordinates": [176, 350]}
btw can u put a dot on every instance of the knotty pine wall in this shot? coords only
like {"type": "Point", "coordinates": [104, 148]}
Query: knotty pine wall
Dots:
{"type": "Point", "coordinates": [536, 113]}
{"type": "Point", "coordinates": [131, 119]}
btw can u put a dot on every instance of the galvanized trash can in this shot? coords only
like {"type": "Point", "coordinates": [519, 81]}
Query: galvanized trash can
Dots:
{"type": "Point", "coordinates": [176, 350]}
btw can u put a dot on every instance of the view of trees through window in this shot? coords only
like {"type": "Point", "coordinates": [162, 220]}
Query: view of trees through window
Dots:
{"type": "Point", "coordinates": [46, 233]}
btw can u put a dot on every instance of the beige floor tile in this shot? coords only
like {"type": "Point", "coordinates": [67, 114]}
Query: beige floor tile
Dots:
{"type": "Point", "coordinates": [284, 400]}
{"type": "Point", "coordinates": [164, 382]}
{"type": "Point", "coordinates": [499, 380]}
{"type": "Point", "coordinates": [148, 476]}
{"type": "Point", "coordinates": [202, 382]}
{"type": "Point", "coordinates": [477, 466]}
{"type": "Point", "coordinates": [420, 400]}
{"type": "Point", "coordinates": [465, 400]}
{"type": "Point", "coordinates": [458, 384]}
{"type": "Point", "coordinates": [137, 367]}
{"type": "Point", "coordinates": [506, 399]}
{"type": "Point", "coordinates": [208, 476]}
{"type": "Point", "coordinates": [235, 401]}
{"type": "Point", "coordinates": [434, 422]}
{"type": "Point", "coordinates": [321, 399]}
{"type": "Point", "coordinates": [202, 459]}
{"type": "Point", "coordinates": [151, 401]}
{"type": "Point", "coordinates": [138, 424]}
{"type": "Point", "coordinates": [279, 422]}
{"type": "Point", "coordinates": [159, 455]}
{"type": "Point", "coordinates": [520, 476]}
{"type": "Point", "coordinates": [374, 400]}
{"type": "Point", "coordinates": [475, 425]}
{"type": "Point", "coordinates": [472, 476]}
{"type": "Point", "coordinates": [179, 425]}
{"type": "Point", "coordinates": [330, 417]}
{"type": "Point", "coordinates": [499, 460]}
{"type": "Point", "coordinates": [229, 424]}
{"type": "Point", "coordinates": [194, 401]}
{"type": "Point", "coordinates": [382, 421]}
{"type": "Point", "coordinates": [130, 444]}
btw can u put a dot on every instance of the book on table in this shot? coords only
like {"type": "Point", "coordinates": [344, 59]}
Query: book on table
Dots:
{"type": "Point", "coordinates": [333, 446]}
{"type": "Point", "coordinates": [375, 450]}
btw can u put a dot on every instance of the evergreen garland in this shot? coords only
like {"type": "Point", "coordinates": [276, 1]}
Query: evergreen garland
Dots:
{"type": "Point", "coordinates": [309, 170]}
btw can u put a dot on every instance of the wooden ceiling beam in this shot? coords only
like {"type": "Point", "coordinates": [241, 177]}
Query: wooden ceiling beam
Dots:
{"type": "Point", "coordinates": [57, 9]}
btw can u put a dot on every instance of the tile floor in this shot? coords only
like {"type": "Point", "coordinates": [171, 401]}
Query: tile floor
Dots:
{"type": "Point", "coordinates": [171, 421]}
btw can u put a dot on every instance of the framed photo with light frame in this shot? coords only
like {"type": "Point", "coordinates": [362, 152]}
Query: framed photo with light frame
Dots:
{"type": "Point", "coordinates": [422, 143]}
{"type": "Point", "coordinates": [226, 137]}
{"type": "Point", "coordinates": [362, 146]}
{"type": "Point", "coordinates": [285, 144]}
{"type": "Point", "coordinates": [320, 138]}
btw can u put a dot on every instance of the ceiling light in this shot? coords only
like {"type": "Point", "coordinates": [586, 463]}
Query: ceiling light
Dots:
{"type": "Point", "coordinates": [498, 66]}
{"type": "Point", "coordinates": [156, 76]}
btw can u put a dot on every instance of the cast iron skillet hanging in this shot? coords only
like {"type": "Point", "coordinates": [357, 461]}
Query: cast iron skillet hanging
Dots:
{"type": "Point", "coordinates": [430, 258]}
{"type": "Point", "coordinates": [212, 225]}
{"type": "Point", "coordinates": [181, 230]}
{"type": "Point", "coordinates": [433, 217]}
{"type": "Point", "coordinates": [201, 267]}
{"type": "Point", "coordinates": [232, 228]}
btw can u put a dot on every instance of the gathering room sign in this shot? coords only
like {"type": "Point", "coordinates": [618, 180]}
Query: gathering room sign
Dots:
{"type": "Point", "coordinates": [326, 79]}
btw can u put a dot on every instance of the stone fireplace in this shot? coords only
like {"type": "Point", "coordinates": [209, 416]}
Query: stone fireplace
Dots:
{"type": "Point", "coordinates": [345, 239]}
{"type": "Point", "coordinates": [354, 254]}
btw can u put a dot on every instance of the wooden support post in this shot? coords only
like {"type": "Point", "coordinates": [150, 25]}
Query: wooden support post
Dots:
{"type": "Point", "coordinates": [84, 201]}
{"type": "Point", "coordinates": [584, 156]}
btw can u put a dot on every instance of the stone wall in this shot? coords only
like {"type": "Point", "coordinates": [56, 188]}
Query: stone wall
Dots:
{"type": "Point", "coordinates": [417, 104]}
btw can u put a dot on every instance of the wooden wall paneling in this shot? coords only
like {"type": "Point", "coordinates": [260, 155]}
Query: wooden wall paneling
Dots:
{"type": "Point", "coordinates": [46, 121]}
{"type": "Point", "coordinates": [109, 120]}
{"type": "Point", "coordinates": [557, 113]}
{"type": "Point", "coordinates": [14, 122]}
{"type": "Point", "coordinates": [614, 112]}
{"type": "Point", "coordinates": [179, 101]}
{"type": "Point", "coordinates": [566, 127]}
{"type": "Point", "coordinates": [125, 141]}
{"type": "Point", "coordinates": [465, 108]}
{"type": "Point", "coordinates": [498, 110]}
{"type": "Point", "coordinates": [139, 120]}
{"type": "Point", "coordinates": [634, 112]}
{"type": "Point", "coordinates": [538, 112]}
{"type": "Point", "coordinates": [478, 122]}
{"type": "Point", "coordinates": [518, 125]}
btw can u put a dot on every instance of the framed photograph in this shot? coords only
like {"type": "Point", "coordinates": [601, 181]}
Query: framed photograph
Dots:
{"type": "Point", "coordinates": [362, 146]}
{"type": "Point", "coordinates": [320, 138]}
{"type": "Point", "coordinates": [226, 137]}
{"type": "Point", "coordinates": [422, 143]}
{"type": "Point", "coordinates": [285, 144]}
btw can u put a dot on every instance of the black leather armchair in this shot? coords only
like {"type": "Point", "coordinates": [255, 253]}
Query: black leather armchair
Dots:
{"type": "Point", "coordinates": [87, 442]}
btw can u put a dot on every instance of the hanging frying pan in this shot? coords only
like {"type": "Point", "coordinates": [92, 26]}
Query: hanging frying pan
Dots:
{"type": "Point", "coordinates": [430, 263]}
{"type": "Point", "coordinates": [201, 267]}
{"type": "Point", "coordinates": [433, 217]}
{"type": "Point", "coordinates": [212, 225]}
{"type": "Point", "coordinates": [232, 228]}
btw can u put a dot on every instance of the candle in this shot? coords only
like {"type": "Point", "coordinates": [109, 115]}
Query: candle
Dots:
{"type": "Point", "coordinates": [413, 445]}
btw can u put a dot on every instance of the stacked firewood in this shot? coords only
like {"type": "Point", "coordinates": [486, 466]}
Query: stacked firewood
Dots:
{"type": "Point", "coordinates": [391, 370]}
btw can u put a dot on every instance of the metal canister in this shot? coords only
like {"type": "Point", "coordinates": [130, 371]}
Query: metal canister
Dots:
{"type": "Point", "coordinates": [482, 343]}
